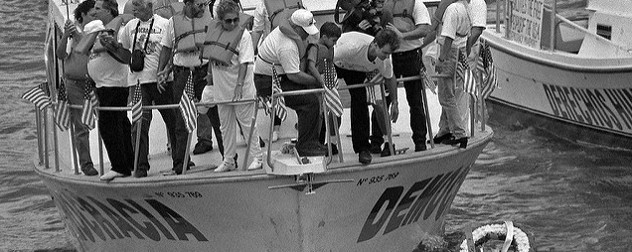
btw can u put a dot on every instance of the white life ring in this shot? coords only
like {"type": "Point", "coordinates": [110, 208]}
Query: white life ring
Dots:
{"type": "Point", "coordinates": [482, 234]}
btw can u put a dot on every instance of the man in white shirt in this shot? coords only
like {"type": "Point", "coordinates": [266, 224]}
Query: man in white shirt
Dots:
{"type": "Point", "coordinates": [407, 62]}
{"type": "Point", "coordinates": [145, 33]}
{"type": "Point", "coordinates": [453, 40]}
{"type": "Point", "coordinates": [356, 54]}
{"type": "Point", "coordinates": [282, 49]}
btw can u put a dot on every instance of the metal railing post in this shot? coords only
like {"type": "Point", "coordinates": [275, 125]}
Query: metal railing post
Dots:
{"type": "Point", "coordinates": [46, 163]}
{"type": "Point", "coordinates": [40, 148]}
{"type": "Point", "coordinates": [552, 33]}
{"type": "Point", "coordinates": [498, 16]}
{"type": "Point", "coordinates": [508, 7]}
{"type": "Point", "coordinates": [73, 153]}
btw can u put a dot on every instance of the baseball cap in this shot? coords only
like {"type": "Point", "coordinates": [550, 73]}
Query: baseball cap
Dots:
{"type": "Point", "coordinates": [304, 19]}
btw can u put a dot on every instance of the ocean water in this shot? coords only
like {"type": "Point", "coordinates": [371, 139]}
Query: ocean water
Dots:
{"type": "Point", "coordinates": [568, 197]}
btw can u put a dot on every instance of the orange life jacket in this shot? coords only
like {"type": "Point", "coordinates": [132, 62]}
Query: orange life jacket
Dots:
{"type": "Point", "coordinates": [401, 12]}
{"type": "Point", "coordinates": [190, 33]}
{"type": "Point", "coordinates": [279, 10]}
{"type": "Point", "coordinates": [220, 45]}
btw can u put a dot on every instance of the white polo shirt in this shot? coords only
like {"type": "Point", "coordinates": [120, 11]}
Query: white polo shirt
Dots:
{"type": "Point", "coordinates": [456, 20]}
{"type": "Point", "coordinates": [477, 10]}
{"type": "Point", "coordinates": [351, 53]}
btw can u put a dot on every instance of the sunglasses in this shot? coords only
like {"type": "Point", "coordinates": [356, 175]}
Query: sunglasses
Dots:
{"type": "Point", "coordinates": [231, 20]}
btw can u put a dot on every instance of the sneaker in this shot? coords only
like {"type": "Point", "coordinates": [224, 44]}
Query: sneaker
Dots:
{"type": "Point", "coordinates": [225, 166]}
{"type": "Point", "coordinates": [109, 176]}
{"type": "Point", "coordinates": [365, 157]}
{"type": "Point", "coordinates": [140, 173]}
{"type": "Point", "coordinates": [275, 136]}
{"type": "Point", "coordinates": [386, 151]}
{"type": "Point", "coordinates": [256, 164]}
{"type": "Point", "coordinates": [89, 170]}
{"type": "Point", "coordinates": [201, 147]}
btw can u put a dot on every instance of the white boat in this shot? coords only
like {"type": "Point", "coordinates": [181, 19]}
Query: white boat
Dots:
{"type": "Point", "coordinates": [341, 206]}
{"type": "Point", "coordinates": [580, 88]}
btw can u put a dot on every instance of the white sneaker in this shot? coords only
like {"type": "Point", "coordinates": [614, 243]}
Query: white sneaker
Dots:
{"type": "Point", "coordinates": [256, 164]}
{"type": "Point", "coordinates": [225, 166]}
{"type": "Point", "coordinates": [275, 136]}
{"type": "Point", "coordinates": [109, 176]}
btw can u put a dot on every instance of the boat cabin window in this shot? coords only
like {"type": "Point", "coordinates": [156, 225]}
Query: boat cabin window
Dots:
{"type": "Point", "coordinates": [604, 31]}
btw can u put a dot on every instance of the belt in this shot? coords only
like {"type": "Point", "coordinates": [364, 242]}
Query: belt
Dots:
{"type": "Point", "coordinates": [204, 66]}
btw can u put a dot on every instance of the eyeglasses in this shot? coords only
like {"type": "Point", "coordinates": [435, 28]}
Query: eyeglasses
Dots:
{"type": "Point", "coordinates": [231, 20]}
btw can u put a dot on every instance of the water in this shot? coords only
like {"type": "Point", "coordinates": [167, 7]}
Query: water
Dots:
{"type": "Point", "coordinates": [570, 197]}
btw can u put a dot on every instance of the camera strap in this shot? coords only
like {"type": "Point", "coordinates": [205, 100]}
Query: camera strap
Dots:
{"type": "Point", "coordinates": [151, 25]}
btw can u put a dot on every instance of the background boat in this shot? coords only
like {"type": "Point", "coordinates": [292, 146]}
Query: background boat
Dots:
{"type": "Point", "coordinates": [578, 89]}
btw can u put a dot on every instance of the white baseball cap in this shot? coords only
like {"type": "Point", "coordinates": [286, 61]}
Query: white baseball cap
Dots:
{"type": "Point", "coordinates": [304, 19]}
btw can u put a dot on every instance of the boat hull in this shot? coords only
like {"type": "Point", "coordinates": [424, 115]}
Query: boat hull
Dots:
{"type": "Point", "coordinates": [582, 99]}
{"type": "Point", "coordinates": [384, 207]}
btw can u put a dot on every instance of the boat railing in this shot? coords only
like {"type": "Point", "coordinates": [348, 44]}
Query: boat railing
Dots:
{"type": "Point", "coordinates": [43, 124]}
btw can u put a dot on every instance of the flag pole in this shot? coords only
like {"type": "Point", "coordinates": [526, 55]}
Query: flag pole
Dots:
{"type": "Point", "coordinates": [185, 161]}
{"type": "Point", "coordinates": [137, 144]}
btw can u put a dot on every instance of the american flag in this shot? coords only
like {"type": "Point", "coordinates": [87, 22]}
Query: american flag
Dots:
{"type": "Point", "coordinates": [187, 106]}
{"type": "Point", "coordinates": [371, 91]}
{"type": "Point", "coordinates": [62, 114]}
{"type": "Point", "coordinates": [137, 104]}
{"type": "Point", "coordinates": [488, 70]}
{"type": "Point", "coordinates": [281, 110]}
{"type": "Point", "coordinates": [332, 97]}
{"type": "Point", "coordinates": [88, 112]}
{"type": "Point", "coordinates": [37, 96]}
{"type": "Point", "coordinates": [465, 75]}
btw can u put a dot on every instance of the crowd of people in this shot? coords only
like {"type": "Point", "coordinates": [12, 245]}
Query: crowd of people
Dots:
{"type": "Point", "coordinates": [166, 55]}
